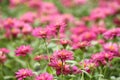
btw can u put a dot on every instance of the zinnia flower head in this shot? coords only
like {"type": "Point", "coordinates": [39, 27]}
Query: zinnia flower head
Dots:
{"type": "Point", "coordinates": [23, 50]}
{"type": "Point", "coordinates": [88, 36]}
{"type": "Point", "coordinates": [3, 52]}
{"type": "Point", "coordinates": [40, 57]}
{"type": "Point", "coordinates": [64, 55]}
{"type": "Point", "coordinates": [55, 63]}
{"type": "Point", "coordinates": [112, 33]}
{"type": "Point", "coordinates": [80, 45]}
{"type": "Point", "coordinates": [44, 76]}
{"type": "Point", "coordinates": [40, 32]}
{"type": "Point", "coordinates": [24, 73]}
{"type": "Point", "coordinates": [111, 47]}
{"type": "Point", "coordinates": [3, 57]}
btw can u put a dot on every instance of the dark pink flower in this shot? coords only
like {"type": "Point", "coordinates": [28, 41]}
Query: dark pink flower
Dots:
{"type": "Point", "coordinates": [98, 59]}
{"type": "Point", "coordinates": [63, 55]}
{"type": "Point", "coordinates": [64, 42]}
{"type": "Point", "coordinates": [44, 76]}
{"type": "Point", "coordinates": [24, 73]}
{"type": "Point", "coordinates": [40, 32]}
{"type": "Point", "coordinates": [80, 45]}
{"type": "Point", "coordinates": [23, 50]}
{"type": "Point", "coordinates": [55, 63]}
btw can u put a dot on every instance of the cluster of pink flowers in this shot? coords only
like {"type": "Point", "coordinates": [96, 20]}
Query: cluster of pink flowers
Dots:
{"type": "Point", "coordinates": [14, 27]}
{"type": "Point", "coordinates": [73, 3]}
{"type": "Point", "coordinates": [86, 32]}
{"type": "Point", "coordinates": [58, 61]}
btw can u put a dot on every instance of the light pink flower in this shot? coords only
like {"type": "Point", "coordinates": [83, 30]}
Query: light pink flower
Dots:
{"type": "Point", "coordinates": [111, 47]}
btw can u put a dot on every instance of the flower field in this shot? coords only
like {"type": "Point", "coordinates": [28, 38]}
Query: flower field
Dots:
{"type": "Point", "coordinates": [59, 39]}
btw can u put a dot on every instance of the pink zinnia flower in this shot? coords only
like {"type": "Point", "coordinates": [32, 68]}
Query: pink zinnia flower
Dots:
{"type": "Point", "coordinates": [88, 36]}
{"type": "Point", "coordinates": [24, 73]}
{"type": "Point", "coordinates": [23, 50]}
{"type": "Point", "coordinates": [111, 47]}
{"type": "Point", "coordinates": [3, 57]}
{"type": "Point", "coordinates": [63, 55]}
{"type": "Point", "coordinates": [112, 33]}
{"type": "Point", "coordinates": [26, 29]}
{"type": "Point", "coordinates": [40, 32]}
{"type": "Point", "coordinates": [55, 63]}
{"type": "Point", "coordinates": [80, 45]}
{"type": "Point", "coordinates": [44, 76]}
{"type": "Point", "coordinates": [28, 17]}
{"type": "Point", "coordinates": [40, 57]}
{"type": "Point", "coordinates": [99, 59]}
{"type": "Point", "coordinates": [3, 52]}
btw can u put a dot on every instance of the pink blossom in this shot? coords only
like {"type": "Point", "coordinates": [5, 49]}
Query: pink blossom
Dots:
{"type": "Point", "coordinates": [112, 33]}
{"type": "Point", "coordinates": [3, 57]}
{"type": "Point", "coordinates": [24, 73]}
{"type": "Point", "coordinates": [63, 55]}
{"type": "Point", "coordinates": [44, 76]}
{"type": "Point", "coordinates": [28, 17]}
{"type": "Point", "coordinates": [23, 50]}
{"type": "Point", "coordinates": [111, 47]}
{"type": "Point", "coordinates": [80, 45]}
{"type": "Point", "coordinates": [40, 32]}
{"type": "Point", "coordinates": [88, 36]}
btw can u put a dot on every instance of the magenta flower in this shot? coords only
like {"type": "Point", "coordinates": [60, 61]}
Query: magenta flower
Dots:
{"type": "Point", "coordinates": [112, 33]}
{"type": "Point", "coordinates": [26, 29]}
{"type": "Point", "coordinates": [80, 45]}
{"type": "Point", "coordinates": [111, 47]}
{"type": "Point", "coordinates": [98, 59]}
{"type": "Point", "coordinates": [63, 55]}
{"type": "Point", "coordinates": [40, 32]}
{"type": "Point", "coordinates": [28, 17]}
{"type": "Point", "coordinates": [3, 57]}
{"type": "Point", "coordinates": [4, 50]}
{"type": "Point", "coordinates": [102, 58]}
{"type": "Point", "coordinates": [55, 63]}
{"type": "Point", "coordinates": [64, 42]}
{"type": "Point", "coordinates": [40, 57]}
{"type": "Point", "coordinates": [23, 50]}
{"type": "Point", "coordinates": [44, 76]}
{"type": "Point", "coordinates": [88, 36]}
{"type": "Point", "coordinates": [24, 73]}
{"type": "Point", "coordinates": [59, 66]}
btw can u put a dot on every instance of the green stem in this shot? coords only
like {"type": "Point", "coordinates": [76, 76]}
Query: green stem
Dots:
{"type": "Point", "coordinates": [100, 73]}
{"type": "Point", "coordinates": [82, 77]}
{"type": "Point", "coordinates": [2, 73]}
{"type": "Point", "coordinates": [46, 46]}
